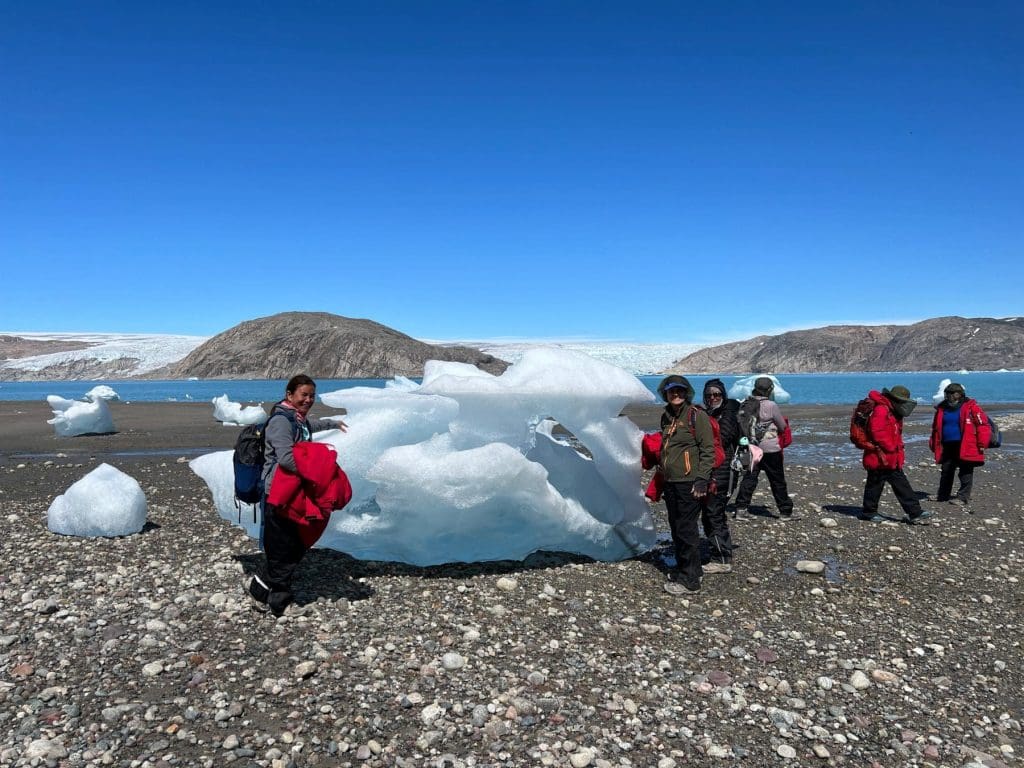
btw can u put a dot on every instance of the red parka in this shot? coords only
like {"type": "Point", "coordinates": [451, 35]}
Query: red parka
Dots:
{"type": "Point", "coordinates": [975, 432]}
{"type": "Point", "coordinates": [886, 430]}
{"type": "Point", "coordinates": [309, 497]}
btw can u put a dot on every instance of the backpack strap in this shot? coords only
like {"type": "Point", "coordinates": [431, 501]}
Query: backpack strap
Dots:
{"type": "Point", "coordinates": [279, 411]}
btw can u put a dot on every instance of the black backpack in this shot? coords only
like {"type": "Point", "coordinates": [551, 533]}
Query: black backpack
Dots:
{"type": "Point", "coordinates": [248, 462]}
{"type": "Point", "coordinates": [749, 418]}
{"type": "Point", "coordinates": [995, 440]}
{"type": "Point", "coordinates": [250, 450]}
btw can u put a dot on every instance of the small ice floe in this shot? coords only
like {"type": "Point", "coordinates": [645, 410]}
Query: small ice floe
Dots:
{"type": "Point", "coordinates": [80, 417]}
{"type": "Point", "coordinates": [741, 388]}
{"type": "Point", "coordinates": [234, 415]}
{"type": "Point", "coordinates": [106, 502]}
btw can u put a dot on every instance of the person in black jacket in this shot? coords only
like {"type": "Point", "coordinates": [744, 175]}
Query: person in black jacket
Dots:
{"type": "Point", "coordinates": [723, 409]}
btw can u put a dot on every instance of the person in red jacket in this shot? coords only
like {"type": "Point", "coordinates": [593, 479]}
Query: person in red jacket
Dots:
{"type": "Point", "coordinates": [884, 460]}
{"type": "Point", "coordinates": [960, 435]}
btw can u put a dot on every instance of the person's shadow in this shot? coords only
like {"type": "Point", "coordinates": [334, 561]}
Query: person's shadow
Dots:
{"type": "Point", "coordinates": [851, 511]}
{"type": "Point", "coordinates": [842, 509]}
{"type": "Point", "coordinates": [331, 575]}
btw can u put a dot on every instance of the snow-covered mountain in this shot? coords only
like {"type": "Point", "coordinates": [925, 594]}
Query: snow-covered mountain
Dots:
{"type": "Point", "coordinates": [87, 356]}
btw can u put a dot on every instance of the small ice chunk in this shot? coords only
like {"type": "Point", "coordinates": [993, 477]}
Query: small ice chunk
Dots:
{"type": "Point", "coordinates": [80, 417]}
{"type": "Point", "coordinates": [741, 388]}
{"type": "Point", "coordinates": [106, 502]}
{"type": "Point", "coordinates": [940, 393]}
{"type": "Point", "coordinates": [233, 414]}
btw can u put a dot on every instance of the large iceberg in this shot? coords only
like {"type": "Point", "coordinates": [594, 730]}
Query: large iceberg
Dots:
{"type": "Point", "coordinates": [468, 466]}
{"type": "Point", "coordinates": [106, 502]}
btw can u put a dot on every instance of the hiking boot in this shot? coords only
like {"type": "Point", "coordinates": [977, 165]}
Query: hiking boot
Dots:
{"type": "Point", "coordinates": [873, 518]}
{"type": "Point", "coordinates": [923, 518]}
{"type": "Point", "coordinates": [717, 567]}
{"type": "Point", "coordinates": [740, 513]}
{"type": "Point", "coordinates": [257, 592]}
{"type": "Point", "coordinates": [676, 585]}
{"type": "Point", "coordinates": [959, 501]}
{"type": "Point", "coordinates": [787, 516]}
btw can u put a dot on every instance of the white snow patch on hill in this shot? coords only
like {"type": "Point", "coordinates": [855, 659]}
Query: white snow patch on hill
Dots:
{"type": "Point", "coordinates": [151, 350]}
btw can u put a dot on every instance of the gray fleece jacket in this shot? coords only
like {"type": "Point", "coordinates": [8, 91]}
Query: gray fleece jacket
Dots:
{"type": "Point", "coordinates": [282, 432]}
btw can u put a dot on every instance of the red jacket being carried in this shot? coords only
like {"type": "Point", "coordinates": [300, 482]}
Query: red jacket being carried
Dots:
{"type": "Point", "coordinates": [309, 497]}
{"type": "Point", "coordinates": [975, 432]}
{"type": "Point", "coordinates": [886, 430]}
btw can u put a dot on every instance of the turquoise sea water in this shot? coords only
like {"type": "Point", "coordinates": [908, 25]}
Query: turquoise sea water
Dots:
{"type": "Point", "coordinates": [804, 389]}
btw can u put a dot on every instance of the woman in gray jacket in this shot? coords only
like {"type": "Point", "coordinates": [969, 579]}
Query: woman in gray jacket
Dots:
{"type": "Point", "coordinates": [282, 546]}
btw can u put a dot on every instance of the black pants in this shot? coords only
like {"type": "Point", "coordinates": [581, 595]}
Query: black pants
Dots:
{"type": "Point", "coordinates": [771, 464]}
{"type": "Point", "coordinates": [683, 514]}
{"type": "Point", "coordinates": [875, 484]}
{"type": "Point", "coordinates": [951, 465]}
{"type": "Point", "coordinates": [712, 516]}
{"type": "Point", "coordinates": [284, 550]}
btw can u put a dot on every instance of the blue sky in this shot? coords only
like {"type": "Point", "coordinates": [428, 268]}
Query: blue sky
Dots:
{"type": "Point", "coordinates": [609, 170]}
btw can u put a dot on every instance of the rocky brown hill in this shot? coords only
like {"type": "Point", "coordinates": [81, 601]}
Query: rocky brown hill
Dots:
{"type": "Point", "coordinates": [13, 347]}
{"type": "Point", "coordinates": [320, 345]}
{"type": "Point", "coordinates": [939, 344]}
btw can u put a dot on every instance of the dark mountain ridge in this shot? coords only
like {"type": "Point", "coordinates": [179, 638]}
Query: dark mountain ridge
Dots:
{"type": "Point", "coordinates": [938, 344]}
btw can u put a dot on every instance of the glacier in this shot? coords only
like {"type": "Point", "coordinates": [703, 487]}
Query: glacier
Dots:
{"type": "Point", "coordinates": [147, 351]}
{"type": "Point", "coordinates": [469, 467]}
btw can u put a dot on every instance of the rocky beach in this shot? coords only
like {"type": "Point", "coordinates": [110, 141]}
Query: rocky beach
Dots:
{"type": "Point", "coordinates": [905, 649]}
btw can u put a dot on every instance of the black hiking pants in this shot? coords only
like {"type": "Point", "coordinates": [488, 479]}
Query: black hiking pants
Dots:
{"type": "Point", "coordinates": [713, 518]}
{"type": "Point", "coordinates": [683, 515]}
{"type": "Point", "coordinates": [771, 465]}
{"type": "Point", "coordinates": [284, 550]}
{"type": "Point", "coordinates": [950, 466]}
{"type": "Point", "coordinates": [875, 484]}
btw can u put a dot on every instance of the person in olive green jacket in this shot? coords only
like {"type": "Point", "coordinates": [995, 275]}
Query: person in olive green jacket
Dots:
{"type": "Point", "coordinates": [687, 458]}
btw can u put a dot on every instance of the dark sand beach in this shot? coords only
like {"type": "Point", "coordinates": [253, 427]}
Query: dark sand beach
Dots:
{"type": "Point", "coordinates": [141, 651]}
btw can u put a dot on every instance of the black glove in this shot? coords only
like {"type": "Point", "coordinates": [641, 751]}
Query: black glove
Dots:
{"type": "Point", "coordinates": [700, 488]}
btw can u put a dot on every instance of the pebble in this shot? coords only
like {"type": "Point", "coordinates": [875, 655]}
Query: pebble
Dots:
{"type": "Point", "coordinates": [786, 751]}
{"type": "Point", "coordinates": [582, 758]}
{"type": "Point", "coordinates": [859, 680]}
{"type": "Point", "coordinates": [883, 676]}
{"type": "Point", "coordinates": [810, 566]}
{"type": "Point", "coordinates": [507, 584]}
{"type": "Point", "coordinates": [453, 661]}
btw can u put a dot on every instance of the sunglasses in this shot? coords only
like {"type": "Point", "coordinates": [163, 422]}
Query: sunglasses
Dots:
{"type": "Point", "coordinates": [714, 395]}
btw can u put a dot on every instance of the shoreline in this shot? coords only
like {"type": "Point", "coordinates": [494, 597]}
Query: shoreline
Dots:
{"type": "Point", "coordinates": [162, 428]}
